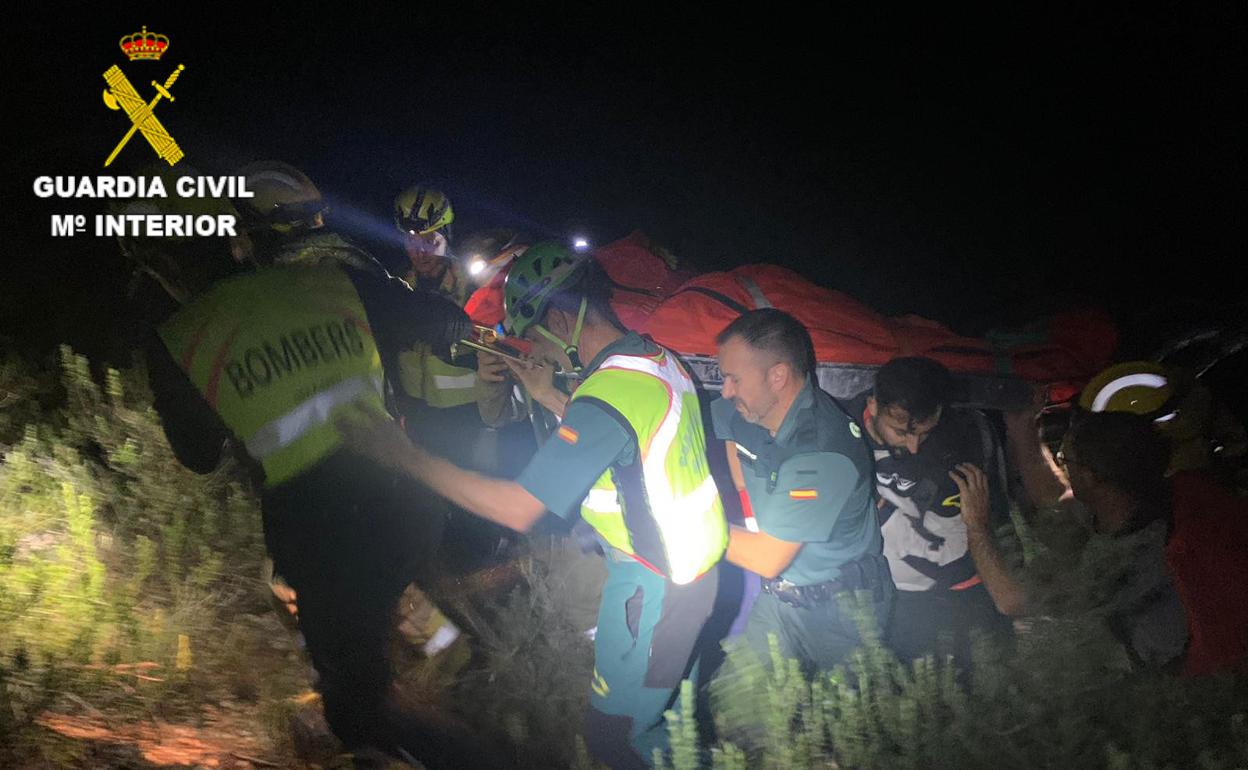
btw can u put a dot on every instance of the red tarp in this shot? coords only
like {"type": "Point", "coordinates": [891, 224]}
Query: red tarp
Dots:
{"type": "Point", "coordinates": [1063, 351]}
{"type": "Point", "coordinates": [683, 313]}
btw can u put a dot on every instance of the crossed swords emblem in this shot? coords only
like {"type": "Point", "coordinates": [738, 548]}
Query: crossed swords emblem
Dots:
{"type": "Point", "coordinates": [120, 95]}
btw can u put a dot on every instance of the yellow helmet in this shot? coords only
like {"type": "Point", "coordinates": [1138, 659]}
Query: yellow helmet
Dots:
{"type": "Point", "coordinates": [1137, 387]}
{"type": "Point", "coordinates": [284, 198]}
{"type": "Point", "coordinates": [420, 210]}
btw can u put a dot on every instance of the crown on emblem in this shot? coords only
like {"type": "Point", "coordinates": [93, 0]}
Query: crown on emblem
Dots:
{"type": "Point", "coordinates": [144, 45]}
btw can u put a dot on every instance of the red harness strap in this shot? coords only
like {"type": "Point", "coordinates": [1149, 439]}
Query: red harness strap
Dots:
{"type": "Point", "coordinates": [965, 584]}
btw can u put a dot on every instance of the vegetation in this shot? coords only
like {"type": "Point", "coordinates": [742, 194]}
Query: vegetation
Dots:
{"type": "Point", "coordinates": [132, 592]}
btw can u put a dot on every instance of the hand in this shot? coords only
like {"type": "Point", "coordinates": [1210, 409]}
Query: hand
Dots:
{"type": "Point", "coordinates": [973, 491]}
{"type": "Point", "coordinates": [491, 369]}
{"type": "Point", "coordinates": [537, 379]}
{"type": "Point", "coordinates": [375, 437]}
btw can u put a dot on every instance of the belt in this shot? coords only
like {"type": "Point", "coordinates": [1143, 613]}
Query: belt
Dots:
{"type": "Point", "coordinates": [867, 572]}
{"type": "Point", "coordinates": [803, 597]}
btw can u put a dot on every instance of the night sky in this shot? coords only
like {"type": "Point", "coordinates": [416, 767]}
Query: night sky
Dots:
{"type": "Point", "coordinates": [975, 169]}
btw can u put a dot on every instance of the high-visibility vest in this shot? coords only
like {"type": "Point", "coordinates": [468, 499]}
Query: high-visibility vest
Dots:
{"type": "Point", "coordinates": [663, 509]}
{"type": "Point", "coordinates": [424, 376]}
{"type": "Point", "coordinates": [277, 354]}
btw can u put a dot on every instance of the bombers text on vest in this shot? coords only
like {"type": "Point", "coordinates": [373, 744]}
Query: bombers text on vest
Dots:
{"type": "Point", "coordinates": [276, 354]}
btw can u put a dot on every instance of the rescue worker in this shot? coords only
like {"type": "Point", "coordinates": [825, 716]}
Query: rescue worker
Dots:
{"type": "Point", "coordinates": [917, 437]}
{"type": "Point", "coordinates": [464, 401]}
{"type": "Point", "coordinates": [629, 455]}
{"type": "Point", "coordinates": [439, 396]}
{"type": "Point", "coordinates": [1113, 490]}
{"type": "Point", "coordinates": [266, 358]}
{"type": "Point", "coordinates": [804, 475]}
{"type": "Point", "coordinates": [1206, 524]}
{"type": "Point", "coordinates": [283, 223]}
{"type": "Point", "coordinates": [423, 217]}
{"type": "Point", "coordinates": [487, 257]}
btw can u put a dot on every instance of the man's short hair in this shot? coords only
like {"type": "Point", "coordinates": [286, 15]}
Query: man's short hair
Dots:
{"type": "Point", "coordinates": [775, 332]}
{"type": "Point", "coordinates": [919, 385]}
{"type": "Point", "coordinates": [1121, 449]}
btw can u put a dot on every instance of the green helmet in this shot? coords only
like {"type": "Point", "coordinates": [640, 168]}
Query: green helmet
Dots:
{"type": "Point", "coordinates": [419, 210]}
{"type": "Point", "coordinates": [533, 279]}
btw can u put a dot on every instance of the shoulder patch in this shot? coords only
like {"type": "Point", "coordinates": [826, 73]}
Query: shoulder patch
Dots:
{"type": "Point", "coordinates": [854, 430]}
{"type": "Point", "coordinates": [568, 434]}
{"type": "Point", "coordinates": [804, 494]}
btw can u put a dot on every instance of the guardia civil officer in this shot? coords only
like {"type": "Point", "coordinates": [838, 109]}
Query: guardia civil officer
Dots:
{"type": "Point", "coordinates": [629, 458]}
{"type": "Point", "coordinates": [805, 477]}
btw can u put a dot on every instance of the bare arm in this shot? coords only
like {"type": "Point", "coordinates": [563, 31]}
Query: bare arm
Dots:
{"type": "Point", "coordinates": [1007, 594]}
{"type": "Point", "coordinates": [498, 500]}
{"type": "Point", "coordinates": [538, 380]}
{"type": "Point", "coordinates": [1044, 483]}
{"type": "Point", "coordinates": [760, 552]}
{"type": "Point", "coordinates": [501, 501]}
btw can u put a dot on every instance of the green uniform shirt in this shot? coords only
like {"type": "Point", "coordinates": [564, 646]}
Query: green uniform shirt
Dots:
{"type": "Point", "coordinates": [810, 484]}
{"type": "Point", "coordinates": [587, 443]}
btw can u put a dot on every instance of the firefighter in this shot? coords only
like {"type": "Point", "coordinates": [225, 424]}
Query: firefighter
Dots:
{"type": "Point", "coordinates": [423, 217]}
{"type": "Point", "coordinates": [265, 359]}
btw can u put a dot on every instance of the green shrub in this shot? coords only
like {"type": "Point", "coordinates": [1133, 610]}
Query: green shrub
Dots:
{"type": "Point", "coordinates": [531, 681]}
{"type": "Point", "coordinates": [111, 551]}
{"type": "Point", "coordinates": [1059, 698]}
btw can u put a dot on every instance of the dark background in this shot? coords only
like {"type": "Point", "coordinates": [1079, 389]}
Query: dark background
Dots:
{"type": "Point", "coordinates": [977, 167]}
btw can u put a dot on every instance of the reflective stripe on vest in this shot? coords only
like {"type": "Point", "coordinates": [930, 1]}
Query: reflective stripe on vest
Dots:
{"type": "Point", "coordinates": [424, 376]}
{"type": "Point", "coordinates": [602, 500]}
{"type": "Point", "coordinates": [316, 411]}
{"type": "Point", "coordinates": [679, 490]}
{"type": "Point", "coordinates": [277, 353]}
{"type": "Point", "coordinates": [455, 381]}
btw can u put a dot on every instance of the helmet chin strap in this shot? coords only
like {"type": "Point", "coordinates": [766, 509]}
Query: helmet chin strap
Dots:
{"type": "Point", "coordinates": [569, 348]}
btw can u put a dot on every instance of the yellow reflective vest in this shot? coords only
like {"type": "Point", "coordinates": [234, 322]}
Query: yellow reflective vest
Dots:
{"type": "Point", "coordinates": [425, 376]}
{"type": "Point", "coordinates": [278, 354]}
{"type": "Point", "coordinates": [663, 509]}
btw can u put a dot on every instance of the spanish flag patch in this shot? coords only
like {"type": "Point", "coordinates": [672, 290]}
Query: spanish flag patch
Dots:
{"type": "Point", "coordinates": [804, 494]}
{"type": "Point", "coordinates": [568, 434]}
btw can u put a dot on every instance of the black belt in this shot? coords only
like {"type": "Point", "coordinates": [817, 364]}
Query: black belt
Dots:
{"type": "Point", "coordinates": [804, 597]}
{"type": "Point", "coordinates": [865, 573]}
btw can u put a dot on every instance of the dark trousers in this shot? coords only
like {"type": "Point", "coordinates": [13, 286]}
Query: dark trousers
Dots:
{"type": "Point", "coordinates": [820, 637]}
{"type": "Point", "coordinates": [943, 623]}
{"type": "Point", "coordinates": [349, 537]}
{"type": "Point", "coordinates": [823, 635]}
